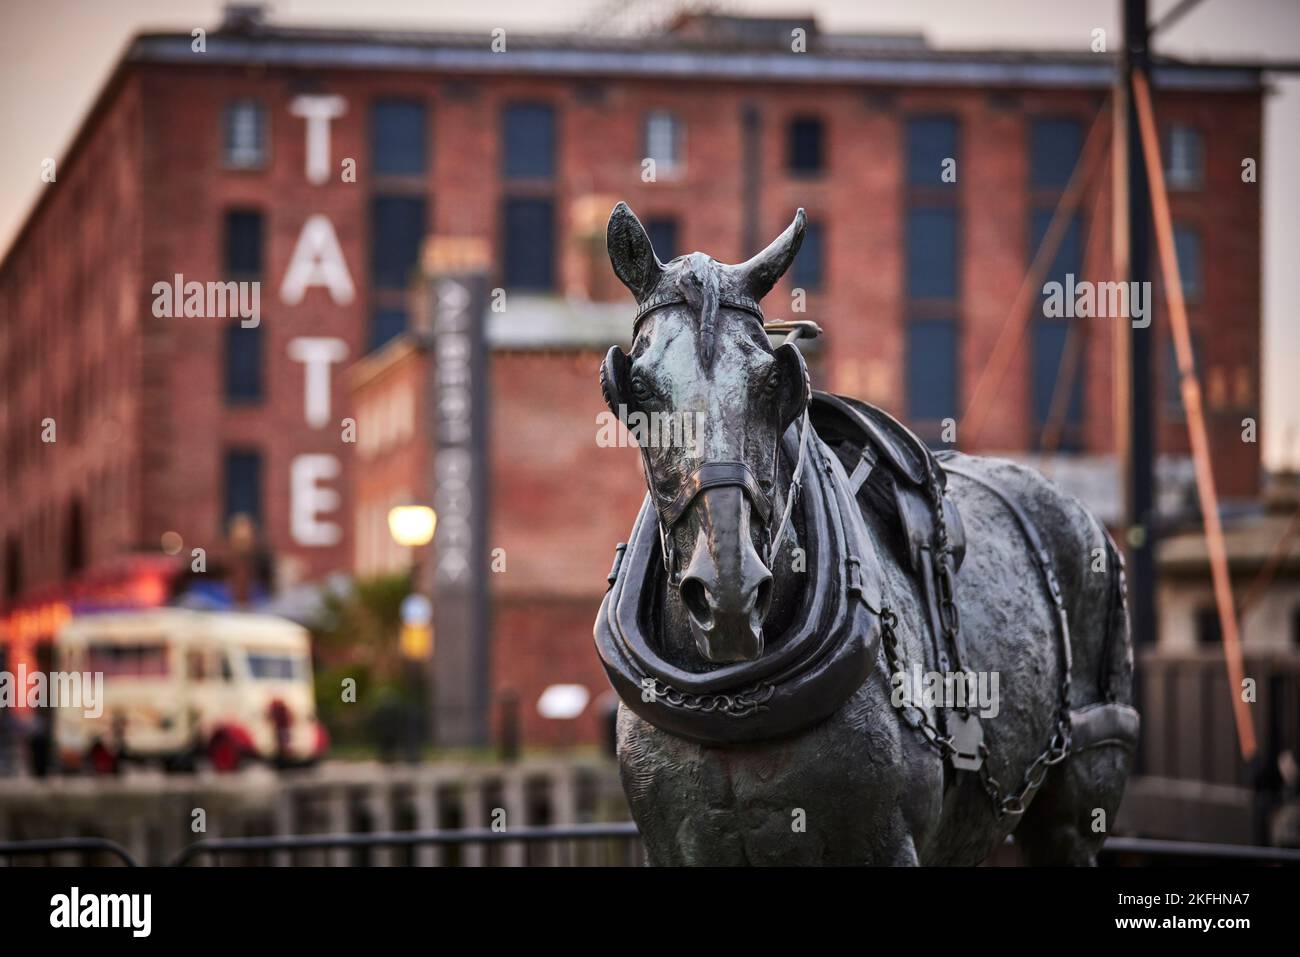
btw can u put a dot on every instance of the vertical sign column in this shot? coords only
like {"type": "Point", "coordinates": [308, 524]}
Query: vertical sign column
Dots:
{"type": "Point", "coordinates": [456, 271]}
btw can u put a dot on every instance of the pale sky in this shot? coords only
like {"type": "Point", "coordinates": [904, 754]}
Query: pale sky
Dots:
{"type": "Point", "coordinates": [55, 56]}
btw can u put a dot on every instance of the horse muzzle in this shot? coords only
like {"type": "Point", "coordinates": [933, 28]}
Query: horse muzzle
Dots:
{"type": "Point", "coordinates": [726, 588]}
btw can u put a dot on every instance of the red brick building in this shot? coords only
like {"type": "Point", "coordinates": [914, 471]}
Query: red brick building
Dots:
{"type": "Point", "coordinates": [315, 162]}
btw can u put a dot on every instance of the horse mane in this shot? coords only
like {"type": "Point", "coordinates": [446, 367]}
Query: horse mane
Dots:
{"type": "Point", "coordinates": [700, 285]}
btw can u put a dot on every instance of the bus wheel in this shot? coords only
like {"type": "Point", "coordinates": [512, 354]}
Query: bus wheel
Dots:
{"type": "Point", "coordinates": [224, 753]}
{"type": "Point", "coordinates": [100, 759]}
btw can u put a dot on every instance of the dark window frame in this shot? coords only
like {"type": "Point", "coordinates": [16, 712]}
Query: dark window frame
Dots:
{"type": "Point", "coordinates": [921, 306]}
{"type": "Point", "coordinates": [1044, 197]}
{"type": "Point", "coordinates": [238, 274]}
{"type": "Point", "coordinates": [514, 168]}
{"type": "Point", "coordinates": [228, 511]}
{"type": "Point", "coordinates": [511, 281]}
{"type": "Point", "coordinates": [232, 392]}
{"type": "Point", "coordinates": [793, 165]}
{"type": "Point", "coordinates": [391, 299]}
{"type": "Point", "coordinates": [422, 168]}
{"type": "Point", "coordinates": [811, 255]}
{"type": "Point", "coordinates": [931, 424]}
{"type": "Point", "coordinates": [656, 225]}
{"type": "Point", "coordinates": [1194, 291]}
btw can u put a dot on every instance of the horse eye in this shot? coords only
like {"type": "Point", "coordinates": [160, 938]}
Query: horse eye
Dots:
{"type": "Point", "coordinates": [641, 388]}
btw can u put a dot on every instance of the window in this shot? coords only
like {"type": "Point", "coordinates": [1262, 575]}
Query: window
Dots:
{"type": "Point", "coordinates": [1050, 342]}
{"type": "Point", "coordinates": [1057, 344]}
{"type": "Point", "coordinates": [931, 252]}
{"type": "Point", "coordinates": [1069, 254]}
{"type": "Point", "coordinates": [397, 228]}
{"type": "Point", "coordinates": [243, 485]}
{"type": "Point", "coordinates": [127, 660]}
{"type": "Point", "coordinates": [1055, 145]}
{"type": "Point", "coordinates": [933, 286]}
{"type": "Point", "coordinates": [1208, 630]}
{"type": "Point", "coordinates": [805, 145]}
{"type": "Point", "coordinates": [398, 141]}
{"type": "Point", "coordinates": [808, 268]}
{"type": "Point", "coordinates": [931, 369]}
{"type": "Point", "coordinates": [243, 135]}
{"type": "Point", "coordinates": [663, 141]}
{"type": "Point", "coordinates": [662, 231]}
{"type": "Point", "coordinates": [386, 324]}
{"type": "Point", "coordinates": [529, 243]}
{"type": "Point", "coordinates": [529, 141]}
{"type": "Point", "coordinates": [1184, 157]}
{"type": "Point", "coordinates": [243, 244]}
{"type": "Point", "coordinates": [271, 666]}
{"type": "Point", "coordinates": [243, 364]}
{"type": "Point", "coordinates": [931, 140]}
{"type": "Point", "coordinates": [1187, 245]}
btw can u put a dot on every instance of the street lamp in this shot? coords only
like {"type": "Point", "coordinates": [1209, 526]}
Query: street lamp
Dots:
{"type": "Point", "coordinates": [412, 525]}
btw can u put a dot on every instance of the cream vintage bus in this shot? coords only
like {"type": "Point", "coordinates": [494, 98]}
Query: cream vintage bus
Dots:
{"type": "Point", "coordinates": [182, 686]}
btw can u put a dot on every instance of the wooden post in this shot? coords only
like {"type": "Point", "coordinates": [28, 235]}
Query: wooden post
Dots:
{"type": "Point", "coordinates": [1191, 392]}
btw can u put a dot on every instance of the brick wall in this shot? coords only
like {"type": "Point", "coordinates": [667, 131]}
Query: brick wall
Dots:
{"type": "Point", "coordinates": [143, 196]}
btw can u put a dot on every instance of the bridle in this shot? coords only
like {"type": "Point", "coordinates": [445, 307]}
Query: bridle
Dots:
{"type": "Point", "coordinates": [724, 474]}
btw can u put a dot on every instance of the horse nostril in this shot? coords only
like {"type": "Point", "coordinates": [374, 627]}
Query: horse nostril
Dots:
{"type": "Point", "coordinates": [696, 598]}
{"type": "Point", "coordinates": [764, 600]}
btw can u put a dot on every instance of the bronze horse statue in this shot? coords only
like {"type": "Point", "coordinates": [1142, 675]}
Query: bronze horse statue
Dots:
{"type": "Point", "coordinates": [811, 601]}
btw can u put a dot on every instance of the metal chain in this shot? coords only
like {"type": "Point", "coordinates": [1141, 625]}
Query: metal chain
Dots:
{"type": "Point", "coordinates": [914, 717]}
{"type": "Point", "coordinates": [1058, 748]}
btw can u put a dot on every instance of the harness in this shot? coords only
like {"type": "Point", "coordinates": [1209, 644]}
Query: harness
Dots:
{"type": "Point", "coordinates": [808, 672]}
{"type": "Point", "coordinates": [843, 623]}
{"type": "Point", "coordinates": [1074, 730]}
{"type": "Point", "coordinates": [723, 474]}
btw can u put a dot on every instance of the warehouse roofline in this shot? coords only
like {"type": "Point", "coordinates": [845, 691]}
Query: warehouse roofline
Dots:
{"type": "Point", "coordinates": [669, 57]}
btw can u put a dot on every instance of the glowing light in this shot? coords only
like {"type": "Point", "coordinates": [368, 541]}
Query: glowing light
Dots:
{"type": "Point", "coordinates": [412, 525]}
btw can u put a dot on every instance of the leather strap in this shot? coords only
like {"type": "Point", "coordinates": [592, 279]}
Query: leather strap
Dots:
{"type": "Point", "coordinates": [673, 298]}
{"type": "Point", "coordinates": [716, 475]}
{"type": "Point", "coordinates": [862, 471]}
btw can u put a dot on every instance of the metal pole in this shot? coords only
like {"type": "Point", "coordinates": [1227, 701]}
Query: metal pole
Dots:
{"type": "Point", "coordinates": [1140, 499]}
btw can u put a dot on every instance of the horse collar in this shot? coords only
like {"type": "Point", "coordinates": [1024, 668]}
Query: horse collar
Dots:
{"type": "Point", "coordinates": [804, 675]}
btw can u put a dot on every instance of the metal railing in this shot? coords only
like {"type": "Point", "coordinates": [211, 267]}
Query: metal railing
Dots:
{"type": "Point", "coordinates": [1145, 849]}
{"type": "Point", "coordinates": [477, 835]}
{"type": "Point", "coordinates": [65, 845]}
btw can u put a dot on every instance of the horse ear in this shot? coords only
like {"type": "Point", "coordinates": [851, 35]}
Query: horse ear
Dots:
{"type": "Point", "coordinates": [615, 373]}
{"type": "Point", "coordinates": [761, 273]}
{"type": "Point", "coordinates": [630, 252]}
{"type": "Point", "coordinates": [795, 388]}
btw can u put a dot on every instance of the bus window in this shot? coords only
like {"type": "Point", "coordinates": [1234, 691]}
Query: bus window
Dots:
{"type": "Point", "coordinates": [128, 660]}
{"type": "Point", "coordinates": [269, 666]}
{"type": "Point", "coordinates": [196, 665]}
{"type": "Point", "coordinates": [227, 674]}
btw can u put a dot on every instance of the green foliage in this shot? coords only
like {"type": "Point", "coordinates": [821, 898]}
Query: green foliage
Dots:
{"type": "Point", "coordinates": [356, 637]}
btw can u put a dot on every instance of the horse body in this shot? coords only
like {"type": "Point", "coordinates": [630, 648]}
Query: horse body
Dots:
{"type": "Point", "coordinates": [859, 785]}
{"type": "Point", "coordinates": [864, 787]}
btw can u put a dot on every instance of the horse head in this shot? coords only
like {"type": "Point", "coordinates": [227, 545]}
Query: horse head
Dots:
{"type": "Point", "coordinates": [711, 400]}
